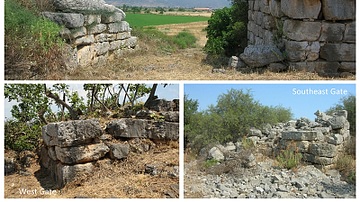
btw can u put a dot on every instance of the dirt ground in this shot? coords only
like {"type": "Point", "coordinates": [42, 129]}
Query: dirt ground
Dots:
{"type": "Point", "coordinates": [120, 179]}
{"type": "Point", "coordinates": [187, 64]}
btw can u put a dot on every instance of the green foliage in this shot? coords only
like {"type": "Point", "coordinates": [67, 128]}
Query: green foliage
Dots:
{"type": "Point", "coordinates": [227, 30]}
{"type": "Point", "coordinates": [142, 20]}
{"type": "Point", "coordinates": [289, 159]}
{"type": "Point", "coordinates": [23, 23]}
{"type": "Point", "coordinates": [185, 39]}
{"type": "Point", "coordinates": [20, 136]}
{"type": "Point", "coordinates": [210, 163]}
{"type": "Point", "coordinates": [229, 120]}
{"type": "Point", "coordinates": [347, 103]}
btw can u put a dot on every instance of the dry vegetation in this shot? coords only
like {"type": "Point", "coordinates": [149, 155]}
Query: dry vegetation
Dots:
{"type": "Point", "coordinates": [119, 179]}
{"type": "Point", "coordinates": [189, 64]}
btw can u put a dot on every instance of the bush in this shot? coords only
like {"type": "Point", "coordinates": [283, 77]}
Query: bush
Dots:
{"type": "Point", "coordinates": [184, 40]}
{"type": "Point", "coordinates": [30, 39]}
{"type": "Point", "coordinates": [227, 30]}
{"type": "Point", "coordinates": [346, 164]}
{"type": "Point", "coordinates": [289, 159]}
{"type": "Point", "coordinates": [20, 136]}
{"type": "Point", "coordinates": [210, 163]}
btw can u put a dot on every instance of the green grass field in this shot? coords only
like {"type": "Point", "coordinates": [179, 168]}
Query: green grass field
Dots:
{"type": "Point", "coordinates": [141, 20]}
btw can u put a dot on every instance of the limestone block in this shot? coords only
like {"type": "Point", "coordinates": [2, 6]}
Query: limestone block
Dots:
{"type": "Point", "coordinates": [261, 55]}
{"type": "Point", "coordinates": [96, 29]}
{"type": "Point", "coordinates": [71, 133]}
{"type": "Point", "coordinates": [161, 130]}
{"type": "Point", "coordinates": [114, 45]}
{"type": "Point", "coordinates": [275, 8]}
{"type": "Point", "coordinates": [127, 127]}
{"type": "Point", "coordinates": [230, 146]}
{"type": "Point", "coordinates": [301, 51]}
{"type": "Point", "coordinates": [171, 116]}
{"type": "Point", "coordinates": [338, 122]}
{"type": "Point", "coordinates": [117, 27]}
{"type": "Point", "coordinates": [215, 153]}
{"type": "Point", "coordinates": [85, 55]}
{"type": "Point", "coordinates": [69, 20]}
{"type": "Point", "coordinates": [350, 33]}
{"type": "Point", "coordinates": [236, 63]}
{"type": "Point", "coordinates": [348, 67]}
{"type": "Point", "coordinates": [85, 5]}
{"type": "Point", "coordinates": [255, 132]}
{"type": "Point", "coordinates": [104, 37]}
{"type": "Point", "coordinates": [66, 33]}
{"type": "Point", "coordinates": [335, 139]}
{"type": "Point", "coordinates": [67, 173]}
{"type": "Point", "coordinates": [301, 9]}
{"type": "Point", "coordinates": [332, 32]}
{"type": "Point", "coordinates": [119, 151]}
{"type": "Point", "coordinates": [81, 154]}
{"type": "Point", "coordinates": [318, 159]}
{"type": "Point", "coordinates": [114, 17]}
{"type": "Point", "coordinates": [302, 31]}
{"type": "Point", "coordinates": [259, 18]}
{"type": "Point", "coordinates": [102, 48]}
{"type": "Point", "coordinates": [269, 22]}
{"type": "Point", "coordinates": [338, 10]}
{"type": "Point", "coordinates": [85, 40]}
{"type": "Point", "coordinates": [322, 149]}
{"type": "Point", "coordinates": [131, 42]}
{"type": "Point", "coordinates": [302, 135]}
{"type": "Point", "coordinates": [52, 153]}
{"type": "Point", "coordinates": [264, 6]}
{"type": "Point", "coordinates": [123, 35]}
{"type": "Point", "coordinates": [92, 19]}
{"type": "Point", "coordinates": [338, 52]}
{"type": "Point", "coordinates": [326, 68]}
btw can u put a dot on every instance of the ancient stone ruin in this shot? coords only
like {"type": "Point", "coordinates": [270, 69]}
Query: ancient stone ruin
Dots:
{"type": "Point", "coordinates": [94, 30]}
{"type": "Point", "coordinates": [315, 36]}
{"type": "Point", "coordinates": [320, 142]}
{"type": "Point", "coordinates": [73, 148]}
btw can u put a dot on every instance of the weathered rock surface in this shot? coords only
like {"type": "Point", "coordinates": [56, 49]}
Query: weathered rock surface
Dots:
{"type": "Point", "coordinates": [72, 133]}
{"type": "Point", "coordinates": [81, 154]}
{"type": "Point", "coordinates": [119, 151]}
{"type": "Point", "coordinates": [265, 181]}
{"type": "Point", "coordinates": [261, 55]}
{"type": "Point", "coordinates": [300, 9]}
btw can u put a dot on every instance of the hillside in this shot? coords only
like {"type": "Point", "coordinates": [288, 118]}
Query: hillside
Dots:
{"type": "Point", "coordinates": [172, 3]}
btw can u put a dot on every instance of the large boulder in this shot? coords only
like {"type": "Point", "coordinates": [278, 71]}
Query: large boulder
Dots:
{"type": "Point", "coordinates": [216, 154]}
{"type": "Point", "coordinates": [261, 55]}
{"type": "Point", "coordinates": [85, 5]}
{"type": "Point", "coordinates": [339, 10]}
{"type": "Point", "coordinates": [81, 154]}
{"type": "Point", "coordinates": [119, 151]}
{"type": "Point", "coordinates": [71, 133]}
{"type": "Point", "coordinates": [323, 149]}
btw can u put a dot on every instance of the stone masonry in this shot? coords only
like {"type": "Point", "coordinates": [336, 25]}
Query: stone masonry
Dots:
{"type": "Point", "coordinates": [312, 35]}
{"type": "Point", "coordinates": [94, 30]}
{"type": "Point", "coordinates": [73, 148]}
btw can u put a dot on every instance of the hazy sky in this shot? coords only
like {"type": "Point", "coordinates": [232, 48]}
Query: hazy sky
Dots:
{"type": "Point", "coordinates": [302, 99]}
{"type": "Point", "coordinates": [170, 92]}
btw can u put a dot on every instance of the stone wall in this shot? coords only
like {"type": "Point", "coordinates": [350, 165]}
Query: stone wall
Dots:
{"type": "Point", "coordinates": [73, 148]}
{"type": "Point", "coordinates": [94, 30]}
{"type": "Point", "coordinates": [313, 35]}
{"type": "Point", "coordinates": [320, 142]}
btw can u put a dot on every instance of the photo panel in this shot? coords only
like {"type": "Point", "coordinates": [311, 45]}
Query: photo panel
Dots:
{"type": "Point", "coordinates": [269, 140]}
{"type": "Point", "coordinates": [91, 140]}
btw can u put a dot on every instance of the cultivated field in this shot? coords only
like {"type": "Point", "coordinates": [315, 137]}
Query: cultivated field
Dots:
{"type": "Point", "coordinates": [141, 20]}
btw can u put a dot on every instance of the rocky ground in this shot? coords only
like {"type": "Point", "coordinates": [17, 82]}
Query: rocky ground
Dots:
{"type": "Point", "coordinates": [265, 180]}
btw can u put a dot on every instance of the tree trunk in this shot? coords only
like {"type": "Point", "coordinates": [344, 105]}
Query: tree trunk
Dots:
{"type": "Point", "coordinates": [74, 115]}
{"type": "Point", "coordinates": [151, 96]}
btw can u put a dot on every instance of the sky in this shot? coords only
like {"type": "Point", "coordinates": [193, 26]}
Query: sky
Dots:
{"type": "Point", "coordinates": [170, 92]}
{"type": "Point", "coordinates": [303, 99]}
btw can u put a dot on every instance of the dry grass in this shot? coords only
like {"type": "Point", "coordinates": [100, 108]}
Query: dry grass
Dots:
{"type": "Point", "coordinates": [121, 179]}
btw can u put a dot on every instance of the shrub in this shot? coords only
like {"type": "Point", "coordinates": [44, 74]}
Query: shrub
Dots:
{"type": "Point", "coordinates": [210, 163]}
{"type": "Point", "coordinates": [20, 136]}
{"type": "Point", "coordinates": [346, 164]}
{"type": "Point", "coordinates": [247, 143]}
{"type": "Point", "coordinates": [184, 40]}
{"type": "Point", "coordinates": [289, 159]}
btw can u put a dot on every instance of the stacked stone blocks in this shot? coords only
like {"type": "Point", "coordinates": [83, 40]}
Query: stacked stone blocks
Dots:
{"type": "Point", "coordinates": [316, 36]}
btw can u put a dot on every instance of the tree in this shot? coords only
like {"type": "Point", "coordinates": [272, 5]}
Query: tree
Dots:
{"type": "Point", "coordinates": [229, 120]}
{"type": "Point", "coordinates": [227, 30]}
